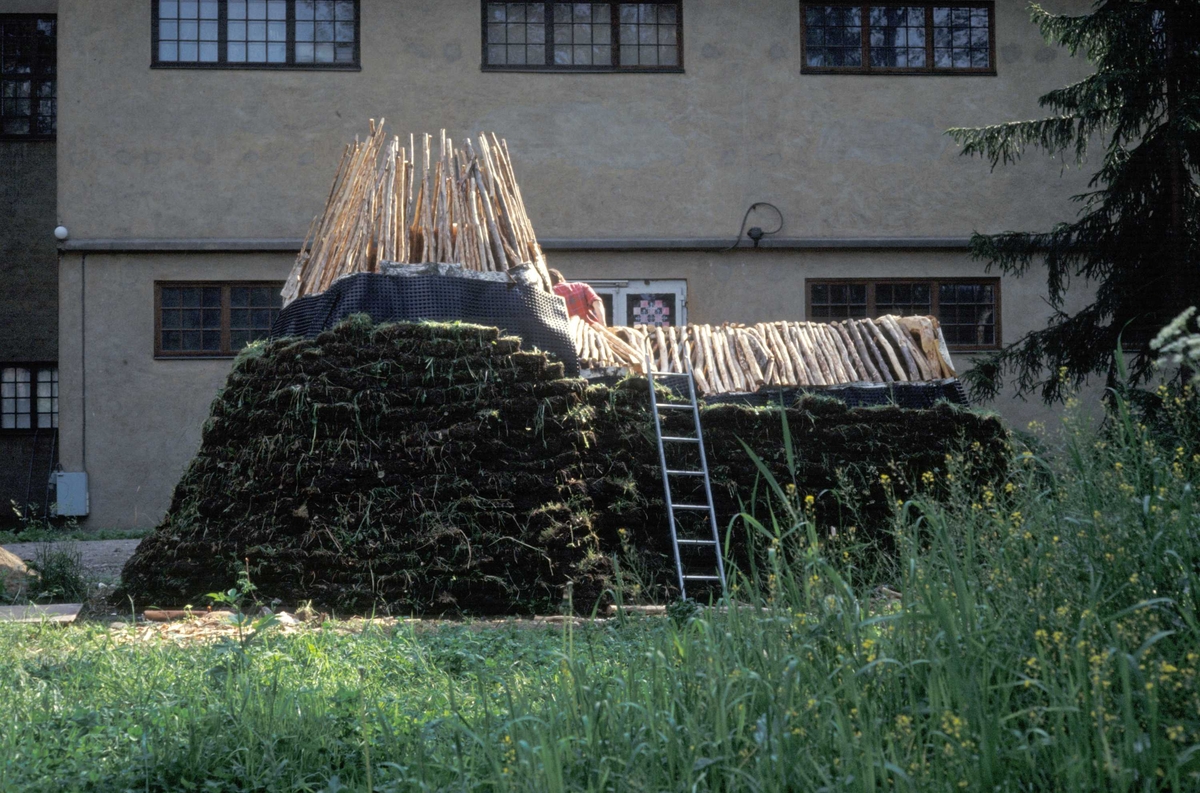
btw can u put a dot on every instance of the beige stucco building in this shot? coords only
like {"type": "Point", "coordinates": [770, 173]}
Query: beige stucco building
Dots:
{"type": "Point", "coordinates": [637, 163]}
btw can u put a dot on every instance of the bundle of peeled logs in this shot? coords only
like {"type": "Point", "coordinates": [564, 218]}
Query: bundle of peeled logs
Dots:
{"type": "Point", "coordinates": [734, 358]}
{"type": "Point", "coordinates": [418, 205]}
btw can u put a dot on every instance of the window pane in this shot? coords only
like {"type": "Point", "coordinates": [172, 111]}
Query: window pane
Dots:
{"type": "Point", "coordinates": [27, 69]}
{"type": "Point", "coordinates": [961, 37]}
{"type": "Point", "coordinates": [648, 34]}
{"type": "Point", "coordinates": [834, 36]}
{"type": "Point", "coordinates": [325, 33]}
{"type": "Point", "coordinates": [15, 402]}
{"type": "Point", "coordinates": [897, 37]}
{"type": "Point", "coordinates": [967, 313]}
{"type": "Point", "coordinates": [838, 300]}
{"type": "Point", "coordinates": [516, 33]}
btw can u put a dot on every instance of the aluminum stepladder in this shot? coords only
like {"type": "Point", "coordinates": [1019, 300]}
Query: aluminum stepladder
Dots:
{"type": "Point", "coordinates": [714, 543]}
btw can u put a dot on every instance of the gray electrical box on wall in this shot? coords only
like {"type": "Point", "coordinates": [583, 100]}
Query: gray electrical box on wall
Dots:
{"type": "Point", "coordinates": [70, 494]}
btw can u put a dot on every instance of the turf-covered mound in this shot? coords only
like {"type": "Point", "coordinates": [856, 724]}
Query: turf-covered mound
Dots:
{"type": "Point", "coordinates": [855, 463]}
{"type": "Point", "coordinates": [439, 468]}
{"type": "Point", "coordinates": [421, 467]}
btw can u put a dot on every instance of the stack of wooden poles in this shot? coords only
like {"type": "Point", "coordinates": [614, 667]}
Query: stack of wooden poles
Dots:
{"type": "Point", "coordinates": [733, 358]}
{"type": "Point", "coordinates": [601, 347]}
{"type": "Point", "coordinates": [415, 205]}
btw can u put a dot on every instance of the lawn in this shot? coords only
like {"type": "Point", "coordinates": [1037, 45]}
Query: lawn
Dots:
{"type": "Point", "coordinates": [1036, 633]}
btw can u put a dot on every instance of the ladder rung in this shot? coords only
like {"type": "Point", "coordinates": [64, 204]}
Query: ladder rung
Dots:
{"type": "Point", "coordinates": [680, 440]}
{"type": "Point", "coordinates": [674, 407]}
{"type": "Point", "coordinates": [703, 507]}
{"type": "Point", "coordinates": [685, 473]}
{"type": "Point", "coordinates": [697, 542]}
{"type": "Point", "coordinates": [702, 578]}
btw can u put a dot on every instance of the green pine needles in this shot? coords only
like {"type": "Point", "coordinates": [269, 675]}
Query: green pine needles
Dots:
{"type": "Point", "coordinates": [1136, 240]}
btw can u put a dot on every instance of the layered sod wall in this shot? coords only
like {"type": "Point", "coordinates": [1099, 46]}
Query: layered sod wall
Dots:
{"type": "Point", "coordinates": [438, 468]}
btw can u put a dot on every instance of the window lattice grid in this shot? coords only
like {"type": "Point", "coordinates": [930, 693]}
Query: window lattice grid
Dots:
{"type": "Point", "coordinates": [47, 398]}
{"type": "Point", "coordinates": [967, 310]}
{"type": "Point", "coordinates": [190, 318]}
{"type": "Point", "coordinates": [326, 31]}
{"type": "Point", "coordinates": [838, 301]}
{"type": "Point", "coordinates": [15, 398]}
{"type": "Point", "coordinates": [915, 37]}
{"type": "Point", "coordinates": [897, 37]}
{"type": "Point", "coordinates": [968, 314]}
{"type": "Point", "coordinates": [961, 38]}
{"type": "Point", "coordinates": [516, 34]}
{"type": "Point", "coordinates": [583, 34]}
{"type": "Point", "coordinates": [257, 31]}
{"type": "Point", "coordinates": [570, 36]}
{"type": "Point", "coordinates": [648, 34]}
{"type": "Point", "coordinates": [252, 312]}
{"type": "Point", "coordinates": [833, 36]}
{"type": "Point", "coordinates": [28, 85]}
{"type": "Point", "coordinates": [915, 299]}
{"type": "Point", "coordinates": [189, 31]}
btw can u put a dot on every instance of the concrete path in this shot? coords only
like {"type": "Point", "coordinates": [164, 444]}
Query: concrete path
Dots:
{"type": "Point", "coordinates": [62, 612]}
{"type": "Point", "coordinates": [102, 559]}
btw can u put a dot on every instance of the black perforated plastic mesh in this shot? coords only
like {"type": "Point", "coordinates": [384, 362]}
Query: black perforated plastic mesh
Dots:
{"type": "Point", "coordinates": [918, 396]}
{"type": "Point", "coordinates": [539, 319]}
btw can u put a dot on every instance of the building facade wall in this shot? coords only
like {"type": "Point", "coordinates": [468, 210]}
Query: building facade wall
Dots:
{"type": "Point", "coordinates": [179, 153]}
{"type": "Point", "coordinates": [148, 156]}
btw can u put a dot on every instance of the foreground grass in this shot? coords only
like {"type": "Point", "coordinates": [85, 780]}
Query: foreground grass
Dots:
{"type": "Point", "coordinates": [1046, 638]}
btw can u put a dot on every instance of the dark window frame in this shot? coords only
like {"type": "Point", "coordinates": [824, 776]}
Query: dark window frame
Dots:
{"type": "Point", "coordinates": [226, 287]}
{"type": "Point", "coordinates": [33, 77]}
{"type": "Point", "coordinates": [929, 69]}
{"type": "Point", "coordinates": [222, 62]}
{"type": "Point", "coordinates": [615, 68]}
{"type": "Point", "coordinates": [34, 368]}
{"type": "Point", "coordinates": [934, 301]}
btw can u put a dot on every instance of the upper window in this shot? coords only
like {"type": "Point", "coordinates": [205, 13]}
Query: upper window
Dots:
{"type": "Point", "coordinates": [913, 38]}
{"type": "Point", "coordinates": [28, 77]}
{"type": "Point", "coordinates": [583, 37]}
{"type": "Point", "coordinates": [968, 310]}
{"type": "Point", "coordinates": [28, 397]}
{"type": "Point", "coordinates": [212, 320]}
{"type": "Point", "coordinates": [256, 34]}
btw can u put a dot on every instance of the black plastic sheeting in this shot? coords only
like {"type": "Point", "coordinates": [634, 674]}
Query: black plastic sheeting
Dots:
{"type": "Point", "coordinates": [441, 294]}
{"type": "Point", "coordinates": [917, 396]}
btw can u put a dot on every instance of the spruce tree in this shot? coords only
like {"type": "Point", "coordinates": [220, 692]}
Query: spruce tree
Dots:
{"type": "Point", "coordinates": [1136, 238]}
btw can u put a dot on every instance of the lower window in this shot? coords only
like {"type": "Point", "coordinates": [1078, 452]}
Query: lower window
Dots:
{"type": "Point", "coordinates": [968, 310]}
{"type": "Point", "coordinates": [28, 397]}
{"type": "Point", "coordinates": [212, 320]}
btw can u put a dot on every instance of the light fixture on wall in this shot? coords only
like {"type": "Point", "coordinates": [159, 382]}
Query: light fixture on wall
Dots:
{"type": "Point", "coordinates": [61, 234]}
{"type": "Point", "coordinates": [756, 233]}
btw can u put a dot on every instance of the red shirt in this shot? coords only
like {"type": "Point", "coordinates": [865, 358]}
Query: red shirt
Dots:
{"type": "Point", "coordinates": [579, 297]}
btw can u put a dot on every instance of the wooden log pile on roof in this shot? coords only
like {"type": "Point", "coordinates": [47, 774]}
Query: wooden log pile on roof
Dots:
{"type": "Point", "coordinates": [733, 358]}
{"type": "Point", "coordinates": [416, 205]}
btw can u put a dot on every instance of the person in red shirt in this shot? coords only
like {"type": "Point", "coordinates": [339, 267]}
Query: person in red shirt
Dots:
{"type": "Point", "coordinates": [582, 300]}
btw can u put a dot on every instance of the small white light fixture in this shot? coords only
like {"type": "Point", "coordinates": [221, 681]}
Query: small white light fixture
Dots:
{"type": "Point", "coordinates": [61, 233]}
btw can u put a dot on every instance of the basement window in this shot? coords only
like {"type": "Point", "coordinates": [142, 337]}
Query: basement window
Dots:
{"type": "Point", "coordinates": [256, 34]}
{"type": "Point", "coordinates": [902, 38]}
{"type": "Point", "coordinates": [583, 37]}
{"type": "Point", "coordinates": [28, 397]}
{"type": "Point", "coordinates": [28, 77]}
{"type": "Point", "coordinates": [212, 320]}
{"type": "Point", "coordinates": [968, 310]}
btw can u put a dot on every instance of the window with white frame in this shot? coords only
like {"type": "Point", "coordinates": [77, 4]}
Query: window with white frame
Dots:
{"type": "Point", "coordinates": [28, 397]}
{"type": "Point", "coordinates": [659, 302]}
